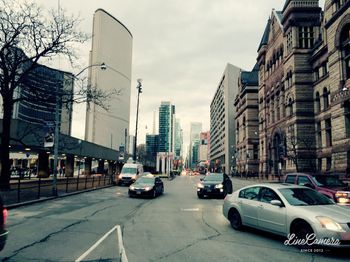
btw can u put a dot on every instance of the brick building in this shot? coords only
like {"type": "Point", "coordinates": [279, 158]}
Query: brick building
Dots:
{"type": "Point", "coordinates": [304, 95]}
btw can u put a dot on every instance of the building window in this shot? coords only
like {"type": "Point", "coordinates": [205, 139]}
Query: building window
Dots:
{"type": "Point", "coordinates": [347, 118]}
{"type": "Point", "coordinates": [329, 163]}
{"type": "Point", "coordinates": [306, 37]}
{"type": "Point", "coordinates": [345, 45]}
{"type": "Point", "coordinates": [277, 109]}
{"type": "Point", "coordinates": [328, 129]}
{"type": "Point", "coordinates": [317, 103]}
{"type": "Point", "coordinates": [319, 164]}
{"type": "Point", "coordinates": [318, 135]}
{"type": "Point", "coordinates": [290, 107]}
{"type": "Point", "coordinates": [272, 111]}
{"type": "Point", "coordinates": [255, 152]}
{"type": "Point", "coordinates": [244, 128]}
{"type": "Point", "coordinates": [237, 132]}
{"type": "Point", "coordinates": [289, 42]}
{"type": "Point", "coordinates": [325, 99]}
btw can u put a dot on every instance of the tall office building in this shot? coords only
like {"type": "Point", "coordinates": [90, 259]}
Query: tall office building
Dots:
{"type": "Point", "coordinates": [39, 100]}
{"type": "Point", "coordinates": [152, 145]}
{"type": "Point", "coordinates": [112, 45]}
{"type": "Point", "coordinates": [222, 120]}
{"type": "Point", "coordinates": [165, 155]}
{"type": "Point", "coordinates": [195, 130]}
{"type": "Point", "coordinates": [166, 127]}
{"type": "Point", "coordinates": [178, 139]}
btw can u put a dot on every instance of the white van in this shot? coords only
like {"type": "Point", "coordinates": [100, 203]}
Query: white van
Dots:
{"type": "Point", "coordinates": [130, 172]}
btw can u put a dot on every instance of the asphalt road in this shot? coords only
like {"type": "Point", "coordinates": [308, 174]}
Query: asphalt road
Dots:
{"type": "Point", "coordinates": [174, 227]}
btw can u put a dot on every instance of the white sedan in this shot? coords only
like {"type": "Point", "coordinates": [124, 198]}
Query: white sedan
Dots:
{"type": "Point", "coordinates": [301, 214]}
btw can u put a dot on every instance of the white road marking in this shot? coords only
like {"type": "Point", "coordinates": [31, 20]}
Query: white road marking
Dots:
{"type": "Point", "coordinates": [120, 244]}
{"type": "Point", "coordinates": [190, 209]}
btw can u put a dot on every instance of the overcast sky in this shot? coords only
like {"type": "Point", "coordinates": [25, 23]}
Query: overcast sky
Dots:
{"type": "Point", "coordinates": [180, 50]}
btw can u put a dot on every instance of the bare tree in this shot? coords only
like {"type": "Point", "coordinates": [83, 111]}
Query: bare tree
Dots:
{"type": "Point", "coordinates": [27, 36]}
{"type": "Point", "coordinates": [301, 148]}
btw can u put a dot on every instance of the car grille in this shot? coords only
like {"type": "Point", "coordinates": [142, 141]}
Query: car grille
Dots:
{"type": "Point", "coordinates": [126, 178]}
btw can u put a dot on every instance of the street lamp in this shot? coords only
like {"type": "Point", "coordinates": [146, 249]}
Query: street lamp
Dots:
{"type": "Point", "coordinates": [139, 90]}
{"type": "Point", "coordinates": [57, 125]}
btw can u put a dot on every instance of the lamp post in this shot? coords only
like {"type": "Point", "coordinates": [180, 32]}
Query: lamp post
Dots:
{"type": "Point", "coordinates": [139, 90]}
{"type": "Point", "coordinates": [58, 123]}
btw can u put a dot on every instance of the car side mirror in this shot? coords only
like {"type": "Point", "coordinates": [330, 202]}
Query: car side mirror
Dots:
{"type": "Point", "coordinates": [276, 203]}
{"type": "Point", "coordinates": [309, 185]}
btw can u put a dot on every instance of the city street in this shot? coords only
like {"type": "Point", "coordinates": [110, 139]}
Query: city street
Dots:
{"type": "Point", "coordinates": [176, 226]}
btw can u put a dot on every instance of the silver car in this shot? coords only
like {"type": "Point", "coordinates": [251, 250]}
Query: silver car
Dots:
{"type": "Point", "coordinates": [301, 214]}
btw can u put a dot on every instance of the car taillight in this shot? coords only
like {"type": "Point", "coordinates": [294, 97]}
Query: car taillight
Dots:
{"type": "Point", "coordinates": [4, 214]}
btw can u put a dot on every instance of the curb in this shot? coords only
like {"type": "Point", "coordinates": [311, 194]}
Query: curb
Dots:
{"type": "Point", "coordinates": [27, 203]}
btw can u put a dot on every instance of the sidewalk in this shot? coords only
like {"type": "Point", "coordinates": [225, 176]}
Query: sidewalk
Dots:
{"type": "Point", "coordinates": [35, 190]}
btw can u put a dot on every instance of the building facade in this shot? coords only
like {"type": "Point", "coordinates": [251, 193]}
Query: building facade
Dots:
{"type": "Point", "coordinates": [303, 58]}
{"type": "Point", "coordinates": [246, 157]}
{"type": "Point", "coordinates": [152, 148]}
{"type": "Point", "coordinates": [37, 94]}
{"type": "Point", "coordinates": [178, 147]}
{"type": "Point", "coordinates": [165, 155]}
{"type": "Point", "coordinates": [222, 120]}
{"type": "Point", "coordinates": [112, 45]}
{"type": "Point", "coordinates": [204, 146]}
{"type": "Point", "coordinates": [195, 130]}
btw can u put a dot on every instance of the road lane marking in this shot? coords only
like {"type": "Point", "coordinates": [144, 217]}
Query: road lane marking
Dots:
{"type": "Point", "coordinates": [190, 209]}
{"type": "Point", "coordinates": [120, 245]}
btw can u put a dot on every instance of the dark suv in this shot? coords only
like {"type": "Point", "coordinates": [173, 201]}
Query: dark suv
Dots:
{"type": "Point", "coordinates": [328, 185]}
{"type": "Point", "coordinates": [3, 232]}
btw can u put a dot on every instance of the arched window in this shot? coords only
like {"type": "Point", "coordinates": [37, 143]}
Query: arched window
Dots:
{"type": "Point", "coordinates": [345, 45]}
{"type": "Point", "coordinates": [317, 103]}
{"type": "Point", "coordinates": [289, 107]}
{"type": "Point", "coordinates": [325, 98]}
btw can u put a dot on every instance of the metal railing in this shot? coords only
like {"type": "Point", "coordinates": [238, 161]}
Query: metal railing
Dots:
{"type": "Point", "coordinates": [23, 190]}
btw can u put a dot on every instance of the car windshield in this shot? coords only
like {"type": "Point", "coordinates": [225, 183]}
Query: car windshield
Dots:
{"type": "Point", "coordinates": [213, 177]}
{"type": "Point", "coordinates": [129, 170]}
{"type": "Point", "coordinates": [304, 197]}
{"type": "Point", "coordinates": [145, 180]}
{"type": "Point", "coordinates": [328, 181]}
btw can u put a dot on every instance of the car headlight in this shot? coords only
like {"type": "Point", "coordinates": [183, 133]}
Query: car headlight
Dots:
{"type": "Point", "coordinates": [132, 188]}
{"type": "Point", "coordinates": [120, 176]}
{"type": "Point", "coordinates": [148, 188]}
{"type": "Point", "coordinates": [219, 186]}
{"type": "Point", "coordinates": [330, 224]}
{"type": "Point", "coordinates": [133, 177]}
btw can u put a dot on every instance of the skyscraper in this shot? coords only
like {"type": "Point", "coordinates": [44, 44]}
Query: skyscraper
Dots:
{"type": "Point", "coordinates": [166, 127]}
{"type": "Point", "coordinates": [178, 139]}
{"type": "Point", "coordinates": [222, 119]}
{"type": "Point", "coordinates": [195, 129]}
{"type": "Point", "coordinates": [112, 45]}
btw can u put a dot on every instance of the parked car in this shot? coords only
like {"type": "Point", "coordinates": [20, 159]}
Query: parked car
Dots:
{"type": "Point", "coordinates": [3, 231]}
{"type": "Point", "coordinates": [130, 172]}
{"type": "Point", "coordinates": [288, 209]}
{"type": "Point", "coordinates": [214, 184]}
{"type": "Point", "coordinates": [328, 185]}
{"type": "Point", "coordinates": [147, 186]}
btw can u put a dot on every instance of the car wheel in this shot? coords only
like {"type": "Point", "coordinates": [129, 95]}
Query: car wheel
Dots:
{"type": "Point", "coordinates": [235, 219]}
{"type": "Point", "coordinates": [200, 196]}
{"type": "Point", "coordinates": [301, 231]}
